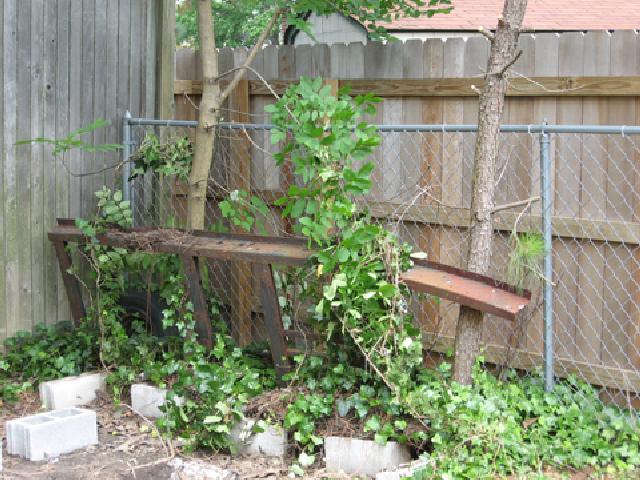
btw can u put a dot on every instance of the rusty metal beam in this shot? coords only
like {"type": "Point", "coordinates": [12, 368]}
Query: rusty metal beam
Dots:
{"type": "Point", "coordinates": [466, 288]}
{"type": "Point", "coordinates": [475, 291]}
{"type": "Point", "coordinates": [273, 321]}
{"type": "Point", "coordinates": [251, 248]}
{"type": "Point", "coordinates": [196, 295]}
{"type": "Point", "coordinates": [71, 284]}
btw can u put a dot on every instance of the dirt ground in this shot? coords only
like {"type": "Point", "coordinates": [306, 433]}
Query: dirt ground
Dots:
{"type": "Point", "coordinates": [127, 450]}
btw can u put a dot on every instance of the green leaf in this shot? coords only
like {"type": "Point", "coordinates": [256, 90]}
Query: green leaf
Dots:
{"type": "Point", "coordinates": [387, 290]}
{"type": "Point", "coordinates": [212, 419]}
{"type": "Point", "coordinates": [306, 460]}
{"type": "Point", "coordinates": [372, 424]}
{"type": "Point", "coordinates": [342, 254]}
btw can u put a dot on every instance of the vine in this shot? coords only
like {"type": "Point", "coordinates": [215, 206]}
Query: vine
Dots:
{"type": "Point", "coordinates": [207, 389]}
{"type": "Point", "coordinates": [172, 157]}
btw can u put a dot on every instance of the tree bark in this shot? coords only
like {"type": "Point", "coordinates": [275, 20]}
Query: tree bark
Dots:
{"type": "Point", "coordinates": [207, 119]}
{"type": "Point", "coordinates": [504, 43]}
{"type": "Point", "coordinates": [212, 99]}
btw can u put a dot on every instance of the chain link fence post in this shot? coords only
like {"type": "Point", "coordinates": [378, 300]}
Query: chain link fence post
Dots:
{"type": "Point", "coordinates": [128, 191]}
{"type": "Point", "coordinates": [547, 211]}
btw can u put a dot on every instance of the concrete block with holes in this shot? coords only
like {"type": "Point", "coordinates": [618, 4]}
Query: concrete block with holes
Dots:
{"type": "Point", "coordinates": [271, 443]}
{"type": "Point", "coordinates": [363, 457]}
{"type": "Point", "coordinates": [71, 391]}
{"type": "Point", "coordinates": [50, 434]}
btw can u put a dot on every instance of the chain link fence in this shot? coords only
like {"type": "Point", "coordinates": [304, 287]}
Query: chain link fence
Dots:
{"type": "Point", "coordinates": [422, 191]}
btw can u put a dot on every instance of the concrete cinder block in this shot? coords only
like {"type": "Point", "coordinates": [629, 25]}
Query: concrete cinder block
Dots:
{"type": "Point", "coordinates": [271, 443]}
{"type": "Point", "coordinates": [71, 391]}
{"type": "Point", "coordinates": [394, 475]}
{"type": "Point", "coordinates": [147, 400]}
{"type": "Point", "coordinates": [50, 434]}
{"type": "Point", "coordinates": [364, 457]}
{"type": "Point", "coordinates": [404, 472]}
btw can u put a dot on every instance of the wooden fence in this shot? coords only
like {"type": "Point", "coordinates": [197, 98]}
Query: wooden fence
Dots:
{"type": "Point", "coordinates": [63, 64]}
{"type": "Point", "coordinates": [571, 78]}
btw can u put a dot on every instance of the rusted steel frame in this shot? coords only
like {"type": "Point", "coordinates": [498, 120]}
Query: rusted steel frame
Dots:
{"type": "Point", "coordinates": [221, 249]}
{"type": "Point", "coordinates": [286, 251]}
{"type": "Point", "coordinates": [473, 276]}
{"type": "Point", "coordinates": [196, 295]}
{"type": "Point", "coordinates": [273, 320]}
{"type": "Point", "coordinates": [71, 283]}
{"type": "Point", "coordinates": [65, 223]}
{"type": "Point", "coordinates": [472, 290]}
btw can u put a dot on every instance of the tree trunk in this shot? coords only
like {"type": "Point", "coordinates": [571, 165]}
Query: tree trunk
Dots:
{"type": "Point", "coordinates": [212, 99]}
{"type": "Point", "coordinates": [503, 54]}
{"type": "Point", "coordinates": [207, 120]}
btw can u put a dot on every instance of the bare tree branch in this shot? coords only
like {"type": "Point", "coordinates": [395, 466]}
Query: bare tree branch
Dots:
{"type": "Point", "coordinates": [486, 33]}
{"type": "Point", "coordinates": [518, 203]}
{"type": "Point", "coordinates": [252, 53]}
{"type": "Point", "coordinates": [542, 87]}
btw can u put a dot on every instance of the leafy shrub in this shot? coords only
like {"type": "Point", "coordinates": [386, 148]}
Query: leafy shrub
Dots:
{"type": "Point", "coordinates": [214, 387]}
{"type": "Point", "coordinates": [496, 428]}
{"type": "Point", "coordinates": [48, 353]}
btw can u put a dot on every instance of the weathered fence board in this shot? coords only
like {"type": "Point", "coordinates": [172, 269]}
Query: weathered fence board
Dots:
{"type": "Point", "coordinates": [63, 64]}
{"type": "Point", "coordinates": [532, 86]}
{"type": "Point", "coordinates": [3, 307]}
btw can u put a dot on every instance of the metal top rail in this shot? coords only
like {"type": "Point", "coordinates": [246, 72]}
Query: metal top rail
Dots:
{"type": "Point", "coordinates": [534, 128]}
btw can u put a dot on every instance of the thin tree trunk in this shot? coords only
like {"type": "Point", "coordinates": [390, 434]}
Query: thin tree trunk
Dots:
{"type": "Point", "coordinates": [503, 54]}
{"type": "Point", "coordinates": [207, 120]}
{"type": "Point", "coordinates": [212, 99]}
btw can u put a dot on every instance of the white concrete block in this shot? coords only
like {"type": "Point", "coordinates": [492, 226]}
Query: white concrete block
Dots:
{"type": "Point", "coordinates": [271, 443]}
{"type": "Point", "coordinates": [71, 391]}
{"type": "Point", "coordinates": [364, 457]}
{"type": "Point", "coordinates": [50, 434]}
{"type": "Point", "coordinates": [394, 475]}
{"type": "Point", "coordinates": [404, 472]}
{"type": "Point", "coordinates": [147, 400]}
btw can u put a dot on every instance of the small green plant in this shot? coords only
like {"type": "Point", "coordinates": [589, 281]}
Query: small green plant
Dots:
{"type": "Point", "coordinates": [74, 141]}
{"type": "Point", "coordinates": [244, 212]}
{"type": "Point", "coordinates": [48, 353]}
{"type": "Point", "coordinates": [173, 157]}
{"type": "Point", "coordinates": [527, 251]}
{"type": "Point", "coordinates": [495, 428]}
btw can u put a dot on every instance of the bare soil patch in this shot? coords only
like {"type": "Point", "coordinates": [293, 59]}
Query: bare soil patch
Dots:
{"type": "Point", "coordinates": [128, 449]}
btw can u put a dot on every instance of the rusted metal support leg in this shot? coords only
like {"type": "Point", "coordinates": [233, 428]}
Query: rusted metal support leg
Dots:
{"type": "Point", "coordinates": [273, 321]}
{"type": "Point", "coordinates": [71, 284]}
{"type": "Point", "coordinates": [196, 294]}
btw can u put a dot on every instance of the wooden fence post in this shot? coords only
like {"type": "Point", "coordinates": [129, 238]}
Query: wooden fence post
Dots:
{"type": "Point", "coordinates": [165, 80]}
{"type": "Point", "coordinates": [240, 179]}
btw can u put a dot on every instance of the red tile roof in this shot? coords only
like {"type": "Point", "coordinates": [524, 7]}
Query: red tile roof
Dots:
{"type": "Point", "coordinates": [556, 15]}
